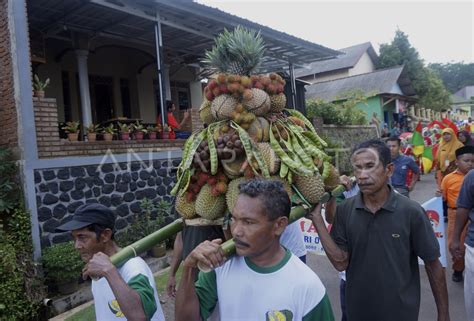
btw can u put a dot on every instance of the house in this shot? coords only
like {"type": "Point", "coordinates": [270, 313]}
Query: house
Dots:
{"type": "Point", "coordinates": [108, 59]}
{"type": "Point", "coordinates": [463, 100]}
{"type": "Point", "coordinates": [389, 91]}
{"type": "Point", "coordinates": [354, 60]}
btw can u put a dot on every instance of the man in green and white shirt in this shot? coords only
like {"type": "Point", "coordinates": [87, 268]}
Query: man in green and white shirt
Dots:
{"type": "Point", "coordinates": [264, 282]}
{"type": "Point", "coordinates": [127, 292]}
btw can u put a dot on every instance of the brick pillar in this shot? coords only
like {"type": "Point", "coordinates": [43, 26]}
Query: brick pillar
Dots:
{"type": "Point", "coordinates": [196, 122]}
{"type": "Point", "coordinates": [8, 113]}
{"type": "Point", "coordinates": [46, 122]}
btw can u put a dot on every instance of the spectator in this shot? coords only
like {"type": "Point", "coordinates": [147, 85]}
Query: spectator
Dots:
{"type": "Point", "coordinates": [402, 166]}
{"type": "Point", "coordinates": [450, 187]}
{"type": "Point", "coordinates": [171, 120]}
{"type": "Point", "coordinates": [465, 138]}
{"type": "Point", "coordinates": [377, 237]}
{"type": "Point", "coordinates": [446, 154]}
{"type": "Point", "coordinates": [464, 215]}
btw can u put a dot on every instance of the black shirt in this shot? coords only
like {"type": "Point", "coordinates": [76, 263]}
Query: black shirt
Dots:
{"type": "Point", "coordinates": [382, 278]}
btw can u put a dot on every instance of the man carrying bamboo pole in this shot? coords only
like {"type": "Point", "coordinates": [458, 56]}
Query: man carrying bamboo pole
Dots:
{"type": "Point", "coordinates": [264, 281]}
{"type": "Point", "coordinates": [127, 292]}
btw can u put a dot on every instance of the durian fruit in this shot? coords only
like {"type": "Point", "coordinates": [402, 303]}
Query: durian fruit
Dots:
{"type": "Point", "coordinates": [333, 178]}
{"type": "Point", "coordinates": [208, 206]}
{"type": "Point", "coordinates": [285, 183]}
{"type": "Point", "coordinates": [269, 157]}
{"type": "Point", "coordinates": [233, 192]}
{"type": "Point", "coordinates": [222, 107]}
{"type": "Point", "coordinates": [277, 103]}
{"type": "Point", "coordinates": [259, 104]}
{"type": "Point", "coordinates": [184, 208]}
{"type": "Point", "coordinates": [205, 112]}
{"type": "Point", "coordinates": [259, 130]}
{"type": "Point", "coordinates": [311, 187]}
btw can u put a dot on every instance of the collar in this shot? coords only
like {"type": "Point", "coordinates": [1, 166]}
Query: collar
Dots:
{"type": "Point", "coordinates": [389, 205]}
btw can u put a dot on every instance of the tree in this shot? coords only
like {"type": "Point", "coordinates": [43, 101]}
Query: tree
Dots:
{"type": "Point", "coordinates": [428, 86]}
{"type": "Point", "coordinates": [455, 75]}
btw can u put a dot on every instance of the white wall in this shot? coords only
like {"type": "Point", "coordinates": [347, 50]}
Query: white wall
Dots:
{"type": "Point", "coordinates": [196, 93]}
{"type": "Point", "coordinates": [363, 66]}
{"type": "Point", "coordinates": [329, 76]}
{"type": "Point", "coordinates": [115, 62]}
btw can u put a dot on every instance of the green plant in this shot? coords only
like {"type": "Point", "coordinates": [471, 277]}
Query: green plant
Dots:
{"type": "Point", "coordinates": [166, 128]}
{"type": "Point", "coordinates": [124, 128]}
{"type": "Point", "coordinates": [341, 112]}
{"type": "Point", "coordinates": [21, 290]}
{"type": "Point", "coordinates": [93, 129]}
{"type": "Point", "coordinates": [152, 129]}
{"type": "Point", "coordinates": [39, 85]}
{"type": "Point", "coordinates": [62, 262]}
{"type": "Point", "coordinates": [137, 127]}
{"type": "Point", "coordinates": [239, 52]}
{"type": "Point", "coordinates": [9, 194]}
{"type": "Point", "coordinates": [109, 129]}
{"type": "Point", "coordinates": [72, 127]}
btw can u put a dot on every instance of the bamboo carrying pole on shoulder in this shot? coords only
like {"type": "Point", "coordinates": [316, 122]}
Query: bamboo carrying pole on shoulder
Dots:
{"type": "Point", "coordinates": [173, 228]}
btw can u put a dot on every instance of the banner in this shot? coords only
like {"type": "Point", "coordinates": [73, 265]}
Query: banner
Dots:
{"type": "Point", "coordinates": [434, 211]}
{"type": "Point", "coordinates": [311, 237]}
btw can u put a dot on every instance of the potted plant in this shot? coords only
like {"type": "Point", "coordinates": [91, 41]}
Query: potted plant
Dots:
{"type": "Point", "coordinates": [152, 131]}
{"type": "Point", "coordinates": [72, 129]}
{"type": "Point", "coordinates": [63, 266]}
{"type": "Point", "coordinates": [39, 86]}
{"type": "Point", "coordinates": [139, 131]}
{"type": "Point", "coordinates": [92, 131]}
{"type": "Point", "coordinates": [108, 133]}
{"type": "Point", "coordinates": [124, 130]}
{"type": "Point", "coordinates": [166, 132]}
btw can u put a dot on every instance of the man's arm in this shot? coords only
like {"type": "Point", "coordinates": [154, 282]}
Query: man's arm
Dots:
{"type": "Point", "coordinates": [438, 286]}
{"type": "Point", "coordinates": [175, 262]}
{"type": "Point", "coordinates": [187, 307]}
{"type": "Point", "coordinates": [462, 216]}
{"type": "Point", "coordinates": [128, 299]}
{"type": "Point", "coordinates": [416, 174]}
{"type": "Point", "coordinates": [338, 257]}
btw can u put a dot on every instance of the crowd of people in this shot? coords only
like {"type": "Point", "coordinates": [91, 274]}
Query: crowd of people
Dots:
{"type": "Point", "coordinates": [377, 233]}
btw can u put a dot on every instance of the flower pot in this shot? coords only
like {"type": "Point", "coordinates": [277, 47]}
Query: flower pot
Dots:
{"type": "Point", "coordinates": [152, 135]}
{"type": "Point", "coordinates": [158, 250]}
{"type": "Point", "coordinates": [125, 136]}
{"type": "Point", "coordinates": [108, 137]}
{"type": "Point", "coordinates": [73, 137]}
{"type": "Point", "coordinates": [91, 137]}
{"type": "Point", "coordinates": [39, 93]}
{"type": "Point", "coordinates": [139, 136]}
{"type": "Point", "coordinates": [67, 287]}
{"type": "Point", "coordinates": [165, 135]}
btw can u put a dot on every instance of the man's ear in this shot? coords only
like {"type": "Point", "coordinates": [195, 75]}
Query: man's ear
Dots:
{"type": "Point", "coordinates": [280, 224]}
{"type": "Point", "coordinates": [390, 168]}
{"type": "Point", "coordinates": [106, 235]}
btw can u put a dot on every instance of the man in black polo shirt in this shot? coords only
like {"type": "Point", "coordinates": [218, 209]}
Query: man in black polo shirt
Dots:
{"type": "Point", "coordinates": [376, 237]}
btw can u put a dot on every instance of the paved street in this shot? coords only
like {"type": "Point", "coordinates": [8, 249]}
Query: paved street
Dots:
{"type": "Point", "coordinates": [424, 190]}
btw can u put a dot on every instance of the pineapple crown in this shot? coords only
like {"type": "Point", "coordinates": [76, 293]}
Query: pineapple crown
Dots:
{"type": "Point", "coordinates": [237, 52]}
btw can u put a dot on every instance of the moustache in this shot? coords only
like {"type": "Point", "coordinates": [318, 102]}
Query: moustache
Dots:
{"type": "Point", "coordinates": [241, 243]}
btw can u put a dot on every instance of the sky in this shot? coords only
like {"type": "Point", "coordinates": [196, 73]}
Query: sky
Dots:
{"type": "Point", "coordinates": [441, 31]}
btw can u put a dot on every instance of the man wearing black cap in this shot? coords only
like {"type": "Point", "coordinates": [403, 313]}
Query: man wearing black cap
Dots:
{"type": "Point", "coordinates": [450, 188]}
{"type": "Point", "coordinates": [127, 292]}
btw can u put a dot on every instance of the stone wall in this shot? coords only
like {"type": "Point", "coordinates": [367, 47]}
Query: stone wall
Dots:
{"type": "Point", "coordinates": [8, 114]}
{"type": "Point", "coordinates": [343, 139]}
{"type": "Point", "coordinates": [119, 186]}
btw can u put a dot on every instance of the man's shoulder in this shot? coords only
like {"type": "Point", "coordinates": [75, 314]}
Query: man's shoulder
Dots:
{"type": "Point", "coordinates": [133, 267]}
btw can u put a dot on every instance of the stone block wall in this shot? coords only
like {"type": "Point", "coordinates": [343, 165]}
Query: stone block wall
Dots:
{"type": "Point", "coordinates": [345, 138]}
{"type": "Point", "coordinates": [8, 113]}
{"type": "Point", "coordinates": [119, 186]}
